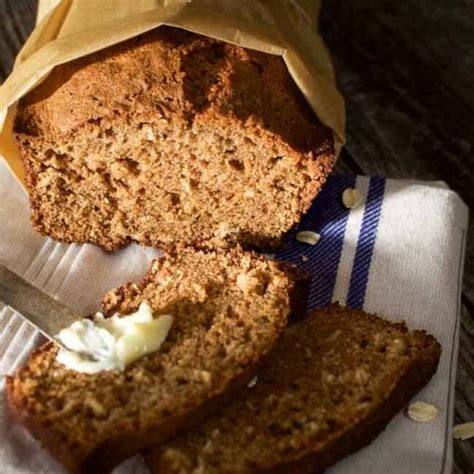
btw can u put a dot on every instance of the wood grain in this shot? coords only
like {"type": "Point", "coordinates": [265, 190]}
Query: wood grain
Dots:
{"type": "Point", "coordinates": [17, 19]}
{"type": "Point", "coordinates": [406, 70]}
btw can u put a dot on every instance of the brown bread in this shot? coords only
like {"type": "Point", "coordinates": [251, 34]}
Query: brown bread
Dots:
{"type": "Point", "coordinates": [228, 310]}
{"type": "Point", "coordinates": [331, 385]}
{"type": "Point", "coordinates": [167, 138]}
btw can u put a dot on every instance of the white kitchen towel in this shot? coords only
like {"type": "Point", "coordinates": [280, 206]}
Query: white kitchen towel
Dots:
{"type": "Point", "coordinates": [399, 254]}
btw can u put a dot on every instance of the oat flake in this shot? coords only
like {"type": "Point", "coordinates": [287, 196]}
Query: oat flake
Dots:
{"type": "Point", "coordinates": [351, 198]}
{"type": "Point", "coordinates": [308, 237]}
{"type": "Point", "coordinates": [422, 412]}
{"type": "Point", "coordinates": [464, 431]}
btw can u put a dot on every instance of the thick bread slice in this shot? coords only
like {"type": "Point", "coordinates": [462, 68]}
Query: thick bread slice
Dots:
{"type": "Point", "coordinates": [171, 126]}
{"type": "Point", "coordinates": [330, 386]}
{"type": "Point", "coordinates": [228, 310]}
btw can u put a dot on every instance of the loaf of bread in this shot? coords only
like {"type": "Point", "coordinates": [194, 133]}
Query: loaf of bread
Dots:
{"type": "Point", "coordinates": [171, 137]}
{"type": "Point", "coordinates": [228, 310]}
{"type": "Point", "coordinates": [330, 386]}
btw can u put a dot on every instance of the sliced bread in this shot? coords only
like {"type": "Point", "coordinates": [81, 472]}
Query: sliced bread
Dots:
{"type": "Point", "coordinates": [330, 386]}
{"type": "Point", "coordinates": [171, 137]}
{"type": "Point", "coordinates": [228, 310]}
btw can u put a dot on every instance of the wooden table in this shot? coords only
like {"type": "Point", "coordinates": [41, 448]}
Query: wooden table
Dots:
{"type": "Point", "coordinates": [406, 70]}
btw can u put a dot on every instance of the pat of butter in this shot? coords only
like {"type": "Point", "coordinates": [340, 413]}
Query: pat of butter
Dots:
{"type": "Point", "coordinates": [112, 343]}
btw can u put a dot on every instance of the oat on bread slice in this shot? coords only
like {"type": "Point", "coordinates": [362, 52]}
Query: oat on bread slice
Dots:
{"type": "Point", "coordinates": [168, 127]}
{"type": "Point", "coordinates": [330, 386]}
{"type": "Point", "coordinates": [228, 309]}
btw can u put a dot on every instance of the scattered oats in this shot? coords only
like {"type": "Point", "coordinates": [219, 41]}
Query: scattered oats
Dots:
{"type": "Point", "coordinates": [312, 426]}
{"type": "Point", "coordinates": [97, 407]}
{"type": "Point", "coordinates": [149, 134]}
{"type": "Point", "coordinates": [294, 442]}
{"type": "Point", "coordinates": [186, 185]}
{"type": "Point", "coordinates": [304, 258]}
{"type": "Point", "coordinates": [329, 378]}
{"type": "Point", "coordinates": [464, 431]}
{"type": "Point", "coordinates": [207, 448]}
{"type": "Point", "coordinates": [422, 412]}
{"type": "Point", "coordinates": [253, 382]}
{"type": "Point", "coordinates": [200, 291]}
{"type": "Point", "coordinates": [397, 346]}
{"type": "Point", "coordinates": [139, 375]}
{"type": "Point", "coordinates": [308, 237]}
{"type": "Point", "coordinates": [250, 282]}
{"type": "Point", "coordinates": [334, 335]}
{"type": "Point", "coordinates": [205, 376]}
{"type": "Point", "coordinates": [225, 230]}
{"type": "Point", "coordinates": [361, 376]}
{"type": "Point", "coordinates": [351, 198]}
{"type": "Point", "coordinates": [249, 193]}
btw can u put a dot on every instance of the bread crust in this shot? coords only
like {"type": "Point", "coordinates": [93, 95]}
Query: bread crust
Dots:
{"type": "Point", "coordinates": [157, 76]}
{"type": "Point", "coordinates": [109, 454]}
{"type": "Point", "coordinates": [418, 356]}
{"type": "Point", "coordinates": [109, 449]}
{"type": "Point", "coordinates": [365, 432]}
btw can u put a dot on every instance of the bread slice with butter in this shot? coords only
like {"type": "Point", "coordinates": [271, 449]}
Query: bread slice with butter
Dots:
{"type": "Point", "coordinates": [227, 309]}
{"type": "Point", "coordinates": [331, 385]}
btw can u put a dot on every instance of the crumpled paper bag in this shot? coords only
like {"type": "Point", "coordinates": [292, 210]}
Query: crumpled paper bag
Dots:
{"type": "Point", "coordinates": [75, 28]}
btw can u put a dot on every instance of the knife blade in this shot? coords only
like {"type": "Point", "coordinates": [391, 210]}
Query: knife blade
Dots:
{"type": "Point", "coordinates": [39, 309]}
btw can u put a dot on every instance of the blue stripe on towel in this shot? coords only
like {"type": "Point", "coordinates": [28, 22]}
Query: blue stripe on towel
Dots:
{"type": "Point", "coordinates": [365, 243]}
{"type": "Point", "coordinates": [328, 217]}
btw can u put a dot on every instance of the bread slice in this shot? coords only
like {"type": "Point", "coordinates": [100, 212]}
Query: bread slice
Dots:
{"type": "Point", "coordinates": [171, 137]}
{"type": "Point", "coordinates": [330, 386]}
{"type": "Point", "coordinates": [228, 310]}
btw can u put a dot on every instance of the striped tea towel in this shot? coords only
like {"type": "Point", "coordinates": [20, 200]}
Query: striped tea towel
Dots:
{"type": "Point", "coordinates": [399, 254]}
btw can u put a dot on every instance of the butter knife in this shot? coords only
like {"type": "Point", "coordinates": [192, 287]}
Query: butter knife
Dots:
{"type": "Point", "coordinates": [48, 315]}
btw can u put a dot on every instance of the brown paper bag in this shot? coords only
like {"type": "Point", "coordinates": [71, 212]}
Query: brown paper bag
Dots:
{"type": "Point", "coordinates": [75, 28]}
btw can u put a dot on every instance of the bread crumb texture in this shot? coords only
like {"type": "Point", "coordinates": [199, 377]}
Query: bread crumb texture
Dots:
{"type": "Point", "coordinates": [221, 331]}
{"type": "Point", "coordinates": [167, 138]}
{"type": "Point", "coordinates": [331, 385]}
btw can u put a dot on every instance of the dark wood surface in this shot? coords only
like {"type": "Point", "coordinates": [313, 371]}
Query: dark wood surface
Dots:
{"type": "Point", "coordinates": [406, 70]}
